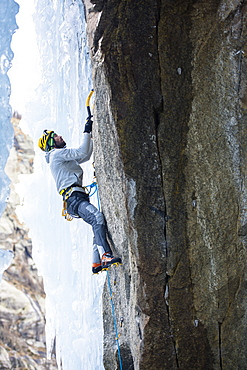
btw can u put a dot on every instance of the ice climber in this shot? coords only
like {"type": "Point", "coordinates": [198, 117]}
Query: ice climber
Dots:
{"type": "Point", "coordinates": [68, 174]}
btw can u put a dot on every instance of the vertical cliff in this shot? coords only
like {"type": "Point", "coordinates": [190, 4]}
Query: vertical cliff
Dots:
{"type": "Point", "coordinates": [170, 139]}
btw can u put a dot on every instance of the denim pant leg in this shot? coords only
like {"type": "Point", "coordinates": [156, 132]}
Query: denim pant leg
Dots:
{"type": "Point", "coordinates": [95, 218]}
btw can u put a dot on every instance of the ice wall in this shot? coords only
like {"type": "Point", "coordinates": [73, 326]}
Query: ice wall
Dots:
{"type": "Point", "coordinates": [62, 249]}
{"type": "Point", "coordinates": [8, 10]}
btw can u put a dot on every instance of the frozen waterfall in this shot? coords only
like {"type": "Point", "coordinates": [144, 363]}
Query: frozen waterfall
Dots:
{"type": "Point", "coordinates": [62, 249]}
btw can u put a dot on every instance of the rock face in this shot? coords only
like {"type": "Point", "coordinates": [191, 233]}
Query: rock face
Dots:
{"type": "Point", "coordinates": [170, 138]}
{"type": "Point", "coordinates": [22, 316]}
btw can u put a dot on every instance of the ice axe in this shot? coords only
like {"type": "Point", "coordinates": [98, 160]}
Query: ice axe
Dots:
{"type": "Point", "coordinates": [88, 105]}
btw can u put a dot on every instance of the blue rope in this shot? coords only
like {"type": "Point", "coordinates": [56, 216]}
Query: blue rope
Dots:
{"type": "Point", "coordinates": [91, 186]}
{"type": "Point", "coordinates": [114, 321]}
{"type": "Point", "coordinates": [97, 196]}
{"type": "Point", "coordinates": [94, 184]}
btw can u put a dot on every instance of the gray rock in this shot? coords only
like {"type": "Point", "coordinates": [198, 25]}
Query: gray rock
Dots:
{"type": "Point", "coordinates": [170, 138]}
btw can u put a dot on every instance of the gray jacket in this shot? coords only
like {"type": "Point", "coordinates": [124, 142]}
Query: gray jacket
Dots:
{"type": "Point", "coordinates": [64, 163]}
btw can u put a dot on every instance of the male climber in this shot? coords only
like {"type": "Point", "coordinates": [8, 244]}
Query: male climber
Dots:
{"type": "Point", "coordinates": [68, 174]}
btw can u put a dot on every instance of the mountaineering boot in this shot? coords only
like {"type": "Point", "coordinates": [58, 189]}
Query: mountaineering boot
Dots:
{"type": "Point", "coordinates": [96, 268]}
{"type": "Point", "coordinates": [109, 260]}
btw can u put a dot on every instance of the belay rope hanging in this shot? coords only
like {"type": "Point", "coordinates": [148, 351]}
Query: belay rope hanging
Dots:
{"type": "Point", "coordinates": [114, 321]}
{"type": "Point", "coordinates": [117, 336]}
{"type": "Point", "coordinates": [95, 185]}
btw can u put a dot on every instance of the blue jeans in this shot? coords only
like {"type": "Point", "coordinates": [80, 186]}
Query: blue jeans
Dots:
{"type": "Point", "coordinates": [78, 204]}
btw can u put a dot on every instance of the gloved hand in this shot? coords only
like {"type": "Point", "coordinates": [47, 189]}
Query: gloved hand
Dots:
{"type": "Point", "coordinates": [88, 125]}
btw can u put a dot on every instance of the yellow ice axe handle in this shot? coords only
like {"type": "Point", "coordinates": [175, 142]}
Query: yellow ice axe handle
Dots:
{"type": "Point", "coordinates": [88, 105]}
{"type": "Point", "coordinates": [88, 98]}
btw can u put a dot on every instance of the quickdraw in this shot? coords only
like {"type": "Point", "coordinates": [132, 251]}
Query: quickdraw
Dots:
{"type": "Point", "coordinates": [65, 213]}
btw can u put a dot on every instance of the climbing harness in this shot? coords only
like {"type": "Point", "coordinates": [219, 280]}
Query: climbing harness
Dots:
{"type": "Point", "coordinates": [66, 193]}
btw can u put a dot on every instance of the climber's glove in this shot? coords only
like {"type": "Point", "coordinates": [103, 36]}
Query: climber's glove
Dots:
{"type": "Point", "coordinates": [88, 125]}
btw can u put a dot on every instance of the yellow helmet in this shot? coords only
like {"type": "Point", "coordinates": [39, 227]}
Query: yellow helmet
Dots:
{"type": "Point", "coordinates": [47, 142]}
